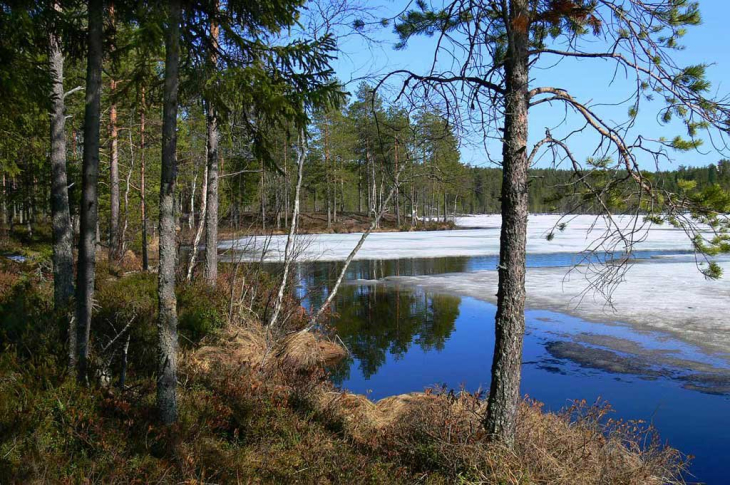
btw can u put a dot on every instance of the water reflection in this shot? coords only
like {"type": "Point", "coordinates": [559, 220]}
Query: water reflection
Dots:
{"type": "Point", "coordinates": [404, 339]}
{"type": "Point", "coordinates": [377, 322]}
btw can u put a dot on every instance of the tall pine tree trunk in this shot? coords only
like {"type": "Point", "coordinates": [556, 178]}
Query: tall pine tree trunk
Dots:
{"type": "Point", "coordinates": [211, 216]}
{"type": "Point", "coordinates": [167, 319]}
{"type": "Point", "coordinates": [327, 174]}
{"type": "Point", "coordinates": [114, 198]}
{"type": "Point", "coordinates": [504, 393]}
{"type": "Point", "coordinates": [6, 219]}
{"type": "Point", "coordinates": [89, 180]}
{"type": "Point", "coordinates": [63, 270]}
{"type": "Point", "coordinates": [142, 189]}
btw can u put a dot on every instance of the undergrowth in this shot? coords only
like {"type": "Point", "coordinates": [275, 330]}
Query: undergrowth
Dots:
{"type": "Point", "coordinates": [282, 423]}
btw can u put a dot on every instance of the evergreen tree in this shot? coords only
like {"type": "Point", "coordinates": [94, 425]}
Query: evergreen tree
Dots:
{"type": "Point", "coordinates": [504, 40]}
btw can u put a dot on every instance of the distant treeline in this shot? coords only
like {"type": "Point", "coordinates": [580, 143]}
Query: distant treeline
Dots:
{"type": "Point", "coordinates": [556, 190]}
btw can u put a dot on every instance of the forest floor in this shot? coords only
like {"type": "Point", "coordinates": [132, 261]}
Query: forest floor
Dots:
{"type": "Point", "coordinates": [256, 408]}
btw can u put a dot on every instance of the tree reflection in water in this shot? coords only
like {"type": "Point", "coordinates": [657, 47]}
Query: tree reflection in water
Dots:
{"type": "Point", "coordinates": [376, 320]}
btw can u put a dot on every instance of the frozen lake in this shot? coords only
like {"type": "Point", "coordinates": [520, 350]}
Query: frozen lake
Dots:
{"type": "Point", "coordinates": [418, 310]}
{"type": "Point", "coordinates": [480, 239]}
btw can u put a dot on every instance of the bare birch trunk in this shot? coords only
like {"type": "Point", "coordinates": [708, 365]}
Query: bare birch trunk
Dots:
{"type": "Point", "coordinates": [191, 215]}
{"type": "Point", "coordinates": [292, 230]}
{"type": "Point", "coordinates": [201, 222]}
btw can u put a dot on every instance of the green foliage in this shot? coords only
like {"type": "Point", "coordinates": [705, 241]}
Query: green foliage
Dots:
{"type": "Point", "coordinates": [202, 310]}
{"type": "Point", "coordinates": [26, 317]}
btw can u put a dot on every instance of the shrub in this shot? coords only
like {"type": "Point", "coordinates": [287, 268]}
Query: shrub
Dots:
{"type": "Point", "coordinates": [201, 310]}
{"type": "Point", "coordinates": [26, 310]}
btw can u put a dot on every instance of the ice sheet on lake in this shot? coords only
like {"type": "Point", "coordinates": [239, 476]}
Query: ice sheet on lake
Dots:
{"type": "Point", "coordinates": [579, 235]}
{"type": "Point", "coordinates": [669, 297]}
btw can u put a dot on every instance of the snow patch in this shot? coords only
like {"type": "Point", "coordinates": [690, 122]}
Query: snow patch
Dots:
{"type": "Point", "coordinates": [671, 297]}
{"type": "Point", "coordinates": [581, 233]}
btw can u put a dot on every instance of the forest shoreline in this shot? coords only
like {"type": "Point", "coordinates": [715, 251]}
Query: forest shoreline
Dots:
{"type": "Point", "coordinates": [316, 223]}
{"type": "Point", "coordinates": [256, 409]}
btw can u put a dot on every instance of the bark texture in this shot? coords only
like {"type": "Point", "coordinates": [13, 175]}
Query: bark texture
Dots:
{"type": "Point", "coordinates": [115, 244]}
{"type": "Point", "coordinates": [89, 180]}
{"type": "Point", "coordinates": [504, 393]}
{"type": "Point", "coordinates": [211, 215]}
{"type": "Point", "coordinates": [62, 230]}
{"type": "Point", "coordinates": [142, 188]}
{"type": "Point", "coordinates": [63, 270]}
{"type": "Point", "coordinates": [167, 319]}
{"type": "Point", "coordinates": [201, 224]}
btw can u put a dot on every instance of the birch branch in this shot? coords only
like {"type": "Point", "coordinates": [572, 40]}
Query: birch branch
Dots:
{"type": "Point", "coordinates": [201, 223]}
{"type": "Point", "coordinates": [292, 230]}
{"type": "Point", "coordinates": [351, 256]}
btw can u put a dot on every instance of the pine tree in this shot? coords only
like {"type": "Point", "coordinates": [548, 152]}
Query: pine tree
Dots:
{"type": "Point", "coordinates": [503, 40]}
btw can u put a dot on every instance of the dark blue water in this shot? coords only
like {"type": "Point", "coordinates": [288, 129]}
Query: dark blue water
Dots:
{"type": "Point", "coordinates": [405, 339]}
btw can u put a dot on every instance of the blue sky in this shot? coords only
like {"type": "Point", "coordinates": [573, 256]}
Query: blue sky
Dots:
{"type": "Point", "coordinates": [587, 80]}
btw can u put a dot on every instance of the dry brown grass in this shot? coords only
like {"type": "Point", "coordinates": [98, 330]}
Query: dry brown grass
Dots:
{"type": "Point", "coordinates": [441, 432]}
{"type": "Point", "coordinates": [130, 261]}
{"type": "Point", "coordinates": [305, 350]}
{"type": "Point", "coordinates": [248, 345]}
{"type": "Point", "coordinates": [581, 444]}
{"type": "Point", "coordinates": [235, 347]}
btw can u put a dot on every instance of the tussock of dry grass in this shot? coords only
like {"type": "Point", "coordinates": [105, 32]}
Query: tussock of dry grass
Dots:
{"type": "Point", "coordinates": [247, 345]}
{"type": "Point", "coordinates": [578, 445]}
{"type": "Point", "coordinates": [236, 347]}
{"type": "Point", "coordinates": [130, 261]}
{"type": "Point", "coordinates": [303, 350]}
{"type": "Point", "coordinates": [436, 431]}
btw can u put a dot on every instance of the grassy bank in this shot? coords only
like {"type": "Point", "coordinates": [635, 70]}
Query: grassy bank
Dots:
{"type": "Point", "coordinates": [257, 406]}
